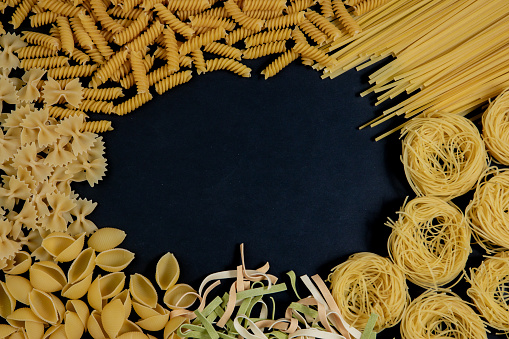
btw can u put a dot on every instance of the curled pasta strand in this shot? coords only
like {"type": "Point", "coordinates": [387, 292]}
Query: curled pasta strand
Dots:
{"type": "Point", "coordinates": [110, 66]}
{"type": "Point", "coordinates": [41, 40]}
{"type": "Point", "coordinates": [263, 5]}
{"type": "Point", "coordinates": [203, 20]}
{"type": "Point", "coordinates": [21, 12]}
{"type": "Point", "coordinates": [314, 53]}
{"type": "Point", "coordinates": [265, 49]}
{"type": "Point", "coordinates": [201, 40]}
{"type": "Point", "coordinates": [285, 21]}
{"type": "Point", "coordinates": [298, 36]}
{"type": "Point", "coordinates": [223, 50]}
{"type": "Point", "coordinates": [109, 93]}
{"type": "Point", "coordinates": [95, 55]}
{"type": "Point", "coordinates": [46, 63]}
{"type": "Point", "coordinates": [120, 13]}
{"type": "Point", "coordinates": [99, 126]}
{"type": "Point", "coordinates": [96, 106]}
{"type": "Point", "coordinates": [132, 31]}
{"type": "Point", "coordinates": [96, 36]}
{"type": "Point", "coordinates": [80, 57]}
{"type": "Point", "coordinates": [323, 24]}
{"type": "Point", "coordinates": [103, 17]}
{"type": "Point", "coordinates": [132, 103]}
{"type": "Point", "coordinates": [173, 80]}
{"type": "Point", "coordinates": [368, 5]}
{"type": "Point", "coordinates": [59, 7]}
{"type": "Point", "coordinates": [264, 15]}
{"type": "Point", "coordinates": [66, 36]}
{"type": "Point", "coordinates": [313, 32]}
{"type": "Point", "coordinates": [268, 36]}
{"type": "Point", "coordinates": [82, 36]}
{"type": "Point", "coordinates": [237, 35]}
{"type": "Point", "coordinates": [353, 2]}
{"type": "Point", "coordinates": [199, 61]}
{"type": "Point", "coordinates": [147, 5]}
{"type": "Point", "coordinates": [250, 23]}
{"type": "Point", "coordinates": [229, 65]}
{"type": "Point", "coordinates": [219, 12]}
{"type": "Point", "coordinates": [44, 18]}
{"type": "Point", "coordinates": [30, 52]}
{"type": "Point", "coordinates": [351, 26]}
{"type": "Point", "coordinates": [170, 44]}
{"type": "Point", "coordinates": [188, 5]}
{"type": "Point", "coordinates": [326, 8]}
{"type": "Point", "coordinates": [171, 20]}
{"type": "Point", "coordinates": [61, 113]}
{"type": "Point", "coordinates": [72, 71]}
{"type": "Point", "coordinates": [281, 62]}
{"type": "Point", "coordinates": [138, 70]}
{"type": "Point", "coordinates": [300, 5]}
{"type": "Point", "coordinates": [147, 38]}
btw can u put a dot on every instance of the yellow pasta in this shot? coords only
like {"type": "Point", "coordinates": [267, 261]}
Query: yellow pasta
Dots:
{"type": "Point", "coordinates": [285, 21]}
{"type": "Point", "coordinates": [95, 55]}
{"type": "Point", "coordinates": [223, 50]}
{"type": "Point", "coordinates": [264, 5]}
{"type": "Point", "coordinates": [495, 133]}
{"type": "Point", "coordinates": [242, 19]}
{"type": "Point", "coordinates": [96, 36]}
{"type": "Point", "coordinates": [323, 24]}
{"type": "Point", "coordinates": [131, 104]}
{"type": "Point", "coordinates": [299, 5]}
{"type": "Point", "coordinates": [99, 9]}
{"type": "Point", "coordinates": [21, 12]}
{"type": "Point", "coordinates": [80, 57]}
{"type": "Point", "coordinates": [113, 64]}
{"type": "Point", "coordinates": [202, 20]}
{"type": "Point", "coordinates": [326, 8]}
{"type": "Point", "coordinates": [66, 36]}
{"type": "Point", "coordinates": [60, 7]}
{"type": "Point", "coordinates": [281, 62]}
{"type": "Point", "coordinates": [99, 126]}
{"type": "Point", "coordinates": [41, 40]}
{"type": "Point", "coordinates": [171, 81]}
{"type": "Point", "coordinates": [96, 106]}
{"type": "Point", "coordinates": [188, 5]}
{"type": "Point", "coordinates": [46, 63]}
{"type": "Point", "coordinates": [313, 53]}
{"type": "Point", "coordinates": [265, 49]}
{"type": "Point", "coordinates": [264, 15]}
{"type": "Point", "coordinates": [146, 38]}
{"type": "Point", "coordinates": [132, 31]}
{"type": "Point", "coordinates": [351, 26]}
{"type": "Point", "coordinates": [82, 36]}
{"type": "Point", "coordinates": [128, 5]}
{"type": "Point", "coordinates": [237, 35]}
{"type": "Point", "coordinates": [61, 113]}
{"type": "Point", "coordinates": [72, 71]}
{"type": "Point", "coordinates": [167, 271]}
{"type": "Point", "coordinates": [219, 12]}
{"type": "Point", "coordinates": [298, 36]}
{"type": "Point", "coordinates": [119, 12]}
{"type": "Point", "coordinates": [172, 49]}
{"type": "Point", "coordinates": [43, 18]}
{"type": "Point", "coordinates": [142, 290]}
{"type": "Point", "coordinates": [116, 259]}
{"type": "Point", "coordinates": [313, 32]}
{"type": "Point", "coordinates": [368, 5]}
{"type": "Point", "coordinates": [31, 52]}
{"type": "Point", "coordinates": [109, 93]}
{"type": "Point", "coordinates": [171, 20]}
{"type": "Point", "coordinates": [139, 73]}
{"type": "Point", "coordinates": [268, 36]}
{"type": "Point", "coordinates": [229, 65]}
{"type": "Point", "coordinates": [201, 40]}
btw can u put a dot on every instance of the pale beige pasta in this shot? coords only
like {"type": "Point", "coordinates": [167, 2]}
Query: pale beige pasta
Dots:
{"type": "Point", "coordinates": [146, 38]}
{"type": "Point", "coordinates": [78, 289]}
{"type": "Point", "coordinates": [188, 5]}
{"type": "Point", "coordinates": [20, 264]}
{"type": "Point", "coordinates": [313, 32]}
{"type": "Point", "coordinates": [155, 322]}
{"type": "Point", "coordinates": [237, 35]}
{"type": "Point", "coordinates": [21, 12]}
{"type": "Point", "coordinates": [223, 50]}
{"type": "Point", "coordinates": [171, 81]}
{"type": "Point", "coordinates": [167, 271]}
{"type": "Point", "coordinates": [82, 37]}
{"type": "Point", "coordinates": [171, 20]}
{"type": "Point", "coordinates": [265, 49]}
{"type": "Point", "coordinates": [281, 62]}
{"type": "Point", "coordinates": [142, 290]}
{"type": "Point", "coordinates": [324, 24]}
{"type": "Point", "coordinates": [112, 318]}
{"type": "Point", "coordinates": [139, 72]}
{"type": "Point", "coordinates": [72, 93]}
{"type": "Point", "coordinates": [229, 65]}
{"type": "Point", "coordinates": [171, 47]}
{"type": "Point", "coordinates": [285, 21]}
{"type": "Point", "coordinates": [495, 131]}
{"type": "Point", "coordinates": [74, 328]}
{"type": "Point", "coordinates": [82, 266]}
{"type": "Point", "coordinates": [94, 325]}
{"type": "Point", "coordinates": [47, 276]}
{"type": "Point", "coordinates": [45, 306]}
{"type": "Point", "coordinates": [131, 104]}
{"type": "Point", "coordinates": [313, 53]}
{"type": "Point", "coordinates": [199, 61]}
{"type": "Point", "coordinates": [203, 20]}
{"type": "Point", "coordinates": [114, 260]}
{"type": "Point", "coordinates": [201, 40]}
{"type": "Point", "coordinates": [111, 284]}
{"type": "Point", "coordinates": [368, 5]}
{"type": "Point", "coordinates": [7, 301]}
{"type": "Point", "coordinates": [263, 5]}
{"type": "Point", "coordinates": [132, 31]}
{"type": "Point", "coordinates": [125, 298]}
{"type": "Point", "coordinates": [99, 9]}
{"type": "Point", "coordinates": [268, 36]}
{"type": "Point", "coordinates": [179, 296]}
{"type": "Point", "coordinates": [95, 34]}
{"type": "Point", "coordinates": [19, 287]}
{"type": "Point", "coordinates": [351, 26]}
{"type": "Point", "coordinates": [242, 19]}
{"type": "Point", "coordinates": [60, 7]}
{"type": "Point", "coordinates": [41, 40]}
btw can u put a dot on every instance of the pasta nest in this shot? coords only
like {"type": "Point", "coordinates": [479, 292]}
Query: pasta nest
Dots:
{"type": "Point", "coordinates": [495, 132]}
{"type": "Point", "coordinates": [443, 155]}
{"type": "Point", "coordinates": [430, 241]}
{"type": "Point", "coordinates": [367, 283]}
{"type": "Point", "coordinates": [487, 211]}
{"type": "Point", "coordinates": [489, 292]}
{"type": "Point", "coordinates": [441, 314]}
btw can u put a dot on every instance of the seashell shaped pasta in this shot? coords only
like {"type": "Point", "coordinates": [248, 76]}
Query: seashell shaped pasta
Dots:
{"type": "Point", "coordinates": [156, 322]}
{"type": "Point", "coordinates": [144, 311]}
{"type": "Point", "coordinates": [34, 329]}
{"type": "Point", "coordinates": [180, 296]}
{"type": "Point", "coordinates": [20, 263]}
{"type": "Point", "coordinates": [73, 326]}
{"type": "Point", "coordinates": [47, 276]}
{"type": "Point", "coordinates": [19, 287]}
{"type": "Point", "coordinates": [112, 284]}
{"type": "Point", "coordinates": [114, 260]}
{"type": "Point", "coordinates": [78, 289]}
{"type": "Point", "coordinates": [125, 298]}
{"type": "Point", "coordinates": [6, 330]}
{"type": "Point", "coordinates": [167, 271]}
{"type": "Point", "coordinates": [94, 297]}
{"type": "Point", "coordinates": [55, 332]}
{"type": "Point", "coordinates": [80, 308]}
{"type": "Point", "coordinates": [22, 315]}
{"type": "Point", "coordinates": [142, 290]}
{"type": "Point", "coordinates": [82, 266]}
{"type": "Point", "coordinates": [59, 305]}
{"type": "Point", "coordinates": [94, 326]}
{"type": "Point", "coordinates": [129, 326]}
{"type": "Point", "coordinates": [19, 334]}
{"type": "Point", "coordinates": [113, 317]}
{"type": "Point", "coordinates": [106, 238]}
{"type": "Point", "coordinates": [63, 247]}
{"type": "Point", "coordinates": [7, 301]}
{"type": "Point", "coordinates": [133, 335]}
{"type": "Point", "coordinates": [43, 305]}
{"type": "Point", "coordinates": [172, 326]}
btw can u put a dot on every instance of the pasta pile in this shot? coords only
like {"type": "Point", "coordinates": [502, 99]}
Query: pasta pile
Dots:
{"type": "Point", "coordinates": [495, 131]}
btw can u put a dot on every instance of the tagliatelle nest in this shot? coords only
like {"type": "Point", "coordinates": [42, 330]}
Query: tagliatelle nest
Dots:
{"type": "Point", "coordinates": [443, 155]}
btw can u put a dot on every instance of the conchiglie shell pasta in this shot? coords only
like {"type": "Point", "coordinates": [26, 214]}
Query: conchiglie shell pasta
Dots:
{"type": "Point", "coordinates": [114, 260]}
{"type": "Point", "coordinates": [142, 290]}
{"type": "Point", "coordinates": [94, 295]}
{"type": "Point", "coordinates": [111, 284]}
{"type": "Point", "coordinates": [144, 311]}
{"type": "Point", "coordinates": [19, 334]}
{"type": "Point", "coordinates": [82, 266]}
{"type": "Point", "coordinates": [19, 287]}
{"type": "Point", "coordinates": [113, 317]}
{"type": "Point", "coordinates": [94, 326]}
{"type": "Point", "coordinates": [125, 298]}
{"type": "Point", "coordinates": [7, 301]}
{"type": "Point", "coordinates": [133, 335]}
{"type": "Point", "coordinates": [74, 328]}
{"type": "Point", "coordinates": [78, 289]}
{"type": "Point", "coordinates": [6, 330]}
{"type": "Point", "coordinates": [22, 315]}
{"type": "Point", "coordinates": [155, 323]}
{"type": "Point", "coordinates": [34, 330]}
{"type": "Point", "coordinates": [43, 305]}
{"type": "Point", "coordinates": [47, 276]}
{"type": "Point", "coordinates": [180, 296]}
{"type": "Point", "coordinates": [106, 238]}
{"type": "Point", "coordinates": [63, 246]}
{"type": "Point", "coordinates": [167, 271]}
{"type": "Point", "coordinates": [21, 263]}
{"type": "Point", "coordinates": [80, 308]}
{"type": "Point", "coordinates": [129, 326]}
{"type": "Point", "coordinates": [172, 326]}
{"type": "Point", "coordinates": [54, 332]}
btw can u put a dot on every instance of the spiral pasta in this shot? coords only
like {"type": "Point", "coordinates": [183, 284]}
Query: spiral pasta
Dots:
{"type": "Point", "coordinates": [486, 212]}
{"type": "Point", "coordinates": [313, 53]}
{"type": "Point", "coordinates": [203, 20]}
{"type": "Point", "coordinates": [132, 31]}
{"type": "Point", "coordinates": [66, 36]}
{"type": "Point", "coordinates": [80, 57]}
{"type": "Point", "coordinates": [112, 65]}
{"type": "Point", "coordinates": [201, 40]}
{"type": "Point", "coordinates": [41, 40]}
{"type": "Point", "coordinates": [495, 131]}
{"type": "Point", "coordinates": [281, 62]}
{"type": "Point", "coordinates": [268, 36]}
{"type": "Point", "coordinates": [172, 49]}
{"type": "Point", "coordinates": [120, 13]}
{"type": "Point", "coordinates": [265, 49]}
{"type": "Point", "coordinates": [430, 241]}
{"type": "Point", "coordinates": [285, 21]}
{"type": "Point", "coordinates": [237, 35]}
{"type": "Point", "coordinates": [441, 314]}
{"type": "Point", "coordinates": [31, 52]}
{"type": "Point", "coordinates": [264, 15]}
{"type": "Point", "coordinates": [99, 9]}
{"type": "Point", "coordinates": [324, 25]}
{"type": "Point", "coordinates": [82, 36]}
{"type": "Point", "coordinates": [62, 113]}
{"type": "Point", "coordinates": [21, 12]}
{"type": "Point", "coordinates": [133, 103]}
{"type": "Point", "coordinates": [326, 8]}
{"type": "Point", "coordinates": [443, 155]}
{"type": "Point", "coordinates": [96, 106]}
{"type": "Point", "coordinates": [351, 26]}
{"type": "Point", "coordinates": [171, 20]}
{"type": "Point", "coordinates": [299, 5]}
{"type": "Point", "coordinates": [109, 93]}
{"type": "Point", "coordinates": [171, 81]}
{"type": "Point", "coordinates": [229, 65]}
{"type": "Point", "coordinates": [96, 36]}
{"type": "Point", "coordinates": [313, 32]}
{"type": "Point", "coordinates": [367, 283]}
{"type": "Point", "coordinates": [223, 50]}
{"type": "Point", "coordinates": [242, 19]}
{"type": "Point", "coordinates": [263, 5]}
{"type": "Point", "coordinates": [43, 18]}
{"type": "Point", "coordinates": [99, 126]}
{"type": "Point", "coordinates": [60, 7]}
{"type": "Point", "coordinates": [146, 38]}
{"type": "Point", "coordinates": [368, 5]}
{"type": "Point", "coordinates": [72, 71]}
{"type": "Point", "coordinates": [128, 5]}
{"type": "Point", "coordinates": [188, 5]}
{"type": "Point", "coordinates": [199, 61]}
{"type": "Point", "coordinates": [46, 63]}
{"type": "Point", "coordinates": [95, 55]}
{"type": "Point", "coordinates": [139, 73]}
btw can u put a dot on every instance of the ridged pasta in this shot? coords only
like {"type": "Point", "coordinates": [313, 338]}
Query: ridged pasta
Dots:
{"type": "Point", "coordinates": [147, 5]}
{"type": "Point", "coordinates": [326, 9]}
{"type": "Point", "coordinates": [138, 70]}
{"type": "Point", "coordinates": [109, 93]}
{"type": "Point", "coordinates": [238, 34]}
{"type": "Point", "coordinates": [96, 106]}
{"type": "Point", "coordinates": [60, 7]}
{"type": "Point", "coordinates": [313, 32]}
{"type": "Point", "coordinates": [72, 71]}
{"type": "Point", "coordinates": [110, 66]}
{"type": "Point", "coordinates": [106, 21]}
{"type": "Point", "coordinates": [242, 19]}
{"type": "Point", "coordinates": [188, 5]}
{"type": "Point", "coordinates": [285, 21]}
{"type": "Point", "coordinates": [171, 81]}
{"type": "Point", "coordinates": [98, 126]}
{"type": "Point", "coordinates": [185, 15]}
{"type": "Point", "coordinates": [41, 40]}
{"type": "Point", "coordinates": [323, 24]}
{"type": "Point", "coordinates": [223, 50]}
{"type": "Point", "coordinates": [314, 53]}
{"type": "Point", "coordinates": [203, 20]}
{"type": "Point", "coordinates": [147, 38]}
{"type": "Point", "coordinates": [21, 12]}
{"type": "Point", "coordinates": [199, 61]}
{"type": "Point", "coordinates": [79, 56]}
{"type": "Point", "coordinates": [120, 13]}
{"type": "Point", "coordinates": [44, 18]}
{"type": "Point", "coordinates": [351, 26]}
{"type": "Point", "coordinates": [219, 12]}
{"type": "Point", "coordinates": [66, 36]}
{"type": "Point", "coordinates": [171, 47]}
{"type": "Point", "coordinates": [201, 40]}
{"type": "Point", "coordinates": [298, 36]}
{"type": "Point", "coordinates": [299, 5]}
{"type": "Point", "coordinates": [353, 2]}
{"type": "Point", "coordinates": [132, 31]}
{"type": "Point", "coordinates": [229, 65]}
{"type": "Point", "coordinates": [82, 36]}
{"type": "Point", "coordinates": [367, 5]}
{"type": "Point", "coordinates": [30, 52]}
{"type": "Point", "coordinates": [61, 113]}
{"type": "Point", "coordinates": [263, 5]}
{"type": "Point", "coordinates": [171, 20]}
{"type": "Point", "coordinates": [264, 15]}
{"type": "Point", "coordinates": [132, 103]}
{"type": "Point", "coordinates": [95, 55]}
{"type": "Point", "coordinates": [95, 34]}
{"type": "Point", "coordinates": [36, 9]}
{"type": "Point", "coordinates": [268, 36]}
{"type": "Point", "coordinates": [128, 5]}
{"type": "Point", "coordinates": [281, 62]}
{"type": "Point", "coordinates": [265, 49]}
{"type": "Point", "coordinates": [46, 63]}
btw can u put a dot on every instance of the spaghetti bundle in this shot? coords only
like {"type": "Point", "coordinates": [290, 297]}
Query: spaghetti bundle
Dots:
{"type": "Point", "coordinates": [430, 241]}
{"type": "Point", "coordinates": [495, 122]}
{"type": "Point", "coordinates": [443, 155]}
{"type": "Point", "coordinates": [441, 314]}
{"type": "Point", "coordinates": [488, 290]}
{"type": "Point", "coordinates": [367, 283]}
{"type": "Point", "coordinates": [487, 212]}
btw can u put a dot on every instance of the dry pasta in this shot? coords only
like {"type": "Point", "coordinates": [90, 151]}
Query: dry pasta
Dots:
{"type": "Point", "coordinates": [171, 81]}
{"type": "Point", "coordinates": [242, 19]}
{"type": "Point", "coordinates": [66, 36]}
{"type": "Point", "coordinates": [99, 126]}
{"type": "Point", "coordinates": [313, 32]}
{"type": "Point", "coordinates": [131, 104]}
{"type": "Point", "coordinates": [229, 65]}
{"type": "Point", "coordinates": [265, 49]}
{"type": "Point", "coordinates": [223, 50]}
{"type": "Point", "coordinates": [31, 52]}
{"type": "Point", "coordinates": [21, 12]}
{"type": "Point", "coordinates": [345, 18]}
{"type": "Point", "coordinates": [495, 133]}
{"type": "Point", "coordinates": [139, 73]}
{"type": "Point", "coordinates": [43, 18]}
{"type": "Point", "coordinates": [368, 5]}
{"type": "Point", "coordinates": [281, 62]}
{"type": "Point", "coordinates": [47, 62]}
{"type": "Point", "coordinates": [268, 36]}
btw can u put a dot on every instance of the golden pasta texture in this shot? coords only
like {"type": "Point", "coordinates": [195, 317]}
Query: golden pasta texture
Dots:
{"type": "Point", "coordinates": [265, 49]}
{"type": "Point", "coordinates": [132, 103]}
{"type": "Point", "coordinates": [139, 73]}
{"type": "Point", "coordinates": [229, 65]}
{"type": "Point", "coordinates": [268, 36]}
{"type": "Point", "coordinates": [171, 81]}
{"type": "Point", "coordinates": [281, 62]}
{"type": "Point", "coordinates": [495, 131]}
{"type": "Point", "coordinates": [250, 23]}
{"type": "Point", "coordinates": [99, 126]}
